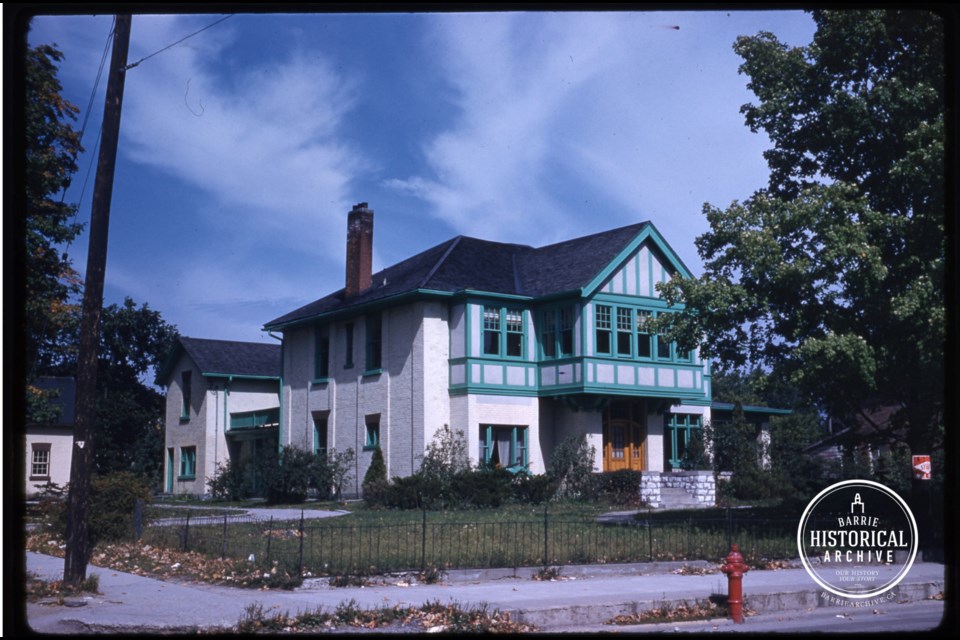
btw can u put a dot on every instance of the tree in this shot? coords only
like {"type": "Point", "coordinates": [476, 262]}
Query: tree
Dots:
{"type": "Point", "coordinates": [51, 147]}
{"type": "Point", "coordinates": [831, 279]}
{"type": "Point", "coordinates": [134, 340]}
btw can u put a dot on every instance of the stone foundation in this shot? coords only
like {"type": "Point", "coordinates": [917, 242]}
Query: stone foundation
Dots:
{"type": "Point", "coordinates": [650, 487]}
{"type": "Point", "coordinates": [699, 484]}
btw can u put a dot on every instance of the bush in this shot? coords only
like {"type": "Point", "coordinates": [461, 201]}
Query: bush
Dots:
{"type": "Point", "coordinates": [533, 489]}
{"type": "Point", "coordinates": [286, 478]}
{"type": "Point", "coordinates": [232, 481]}
{"type": "Point", "coordinates": [620, 487]}
{"type": "Point", "coordinates": [481, 488]}
{"type": "Point", "coordinates": [571, 467]}
{"type": "Point", "coordinates": [375, 480]}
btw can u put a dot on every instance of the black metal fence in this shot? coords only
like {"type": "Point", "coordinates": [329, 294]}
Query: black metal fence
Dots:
{"type": "Point", "coordinates": [324, 547]}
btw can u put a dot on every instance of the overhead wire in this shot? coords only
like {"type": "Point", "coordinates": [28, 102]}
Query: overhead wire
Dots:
{"type": "Point", "coordinates": [169, 46]}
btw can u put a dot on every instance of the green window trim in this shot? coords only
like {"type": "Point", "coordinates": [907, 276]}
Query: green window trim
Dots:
{"type": "Point", "coordinates": [504, 332]}
{"type": "Point", "coordinates": [620, 332]}
{"type": "Point", "coordinates": [320, 434]}
{"type": "Point", "coordinates": [321, 353]}
{"type": "Point", "coordinates": [186, 384]}
{"type": "Point", "coordinates": [188, 463]}
{"type": "Point", "coordinates": [255, 419]}
{"type": "Point", "coordinates": [374, 344]}
{"type": "Point", "coordinates": [348, 340]}
{"type": "Point", "coordinates": [680, 428]}
{"type": "Point", "coordinates": [556, 336]}
{"type": "Point", "coordinates": [372, 433]}
{"type": "Point", "coordinates": [493, 438]}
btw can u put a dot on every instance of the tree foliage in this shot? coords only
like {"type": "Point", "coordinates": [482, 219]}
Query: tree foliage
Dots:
{"type": "Point", "coordinates": [832, 277]}
{"type": "Point", "coordinates": [52, 147]}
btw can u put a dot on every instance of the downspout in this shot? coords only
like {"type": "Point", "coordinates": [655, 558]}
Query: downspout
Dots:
{"type": "Point", "coordinates": [279, 394]}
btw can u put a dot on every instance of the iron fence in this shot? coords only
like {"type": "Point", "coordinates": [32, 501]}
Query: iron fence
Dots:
{"type": "Point", "coordinates": [323, 547]}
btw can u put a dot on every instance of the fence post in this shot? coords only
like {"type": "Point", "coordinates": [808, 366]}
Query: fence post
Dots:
{"type": "Point", "coordinates": [223, 544]}
{"type": "Point", "coordinates": [300, 566]}
{"type": "Point", "coordinates": [546, 556]}
{"type": "Point", "coordinates": [423, 542]}
{"type": "Point", "coordinates": [650, 535]}
{"type": "Point", "coordinates": [729, 528]}
{"type": "Point", "coordinates": [269, 531]}
{"type": "Point", "coordinates": [186, 534]}
{"type": "Point", "coordinates": [138, 519]}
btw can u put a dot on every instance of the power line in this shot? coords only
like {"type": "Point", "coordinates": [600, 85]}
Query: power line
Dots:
{"type": "Point", "coordinates": [212, 24]}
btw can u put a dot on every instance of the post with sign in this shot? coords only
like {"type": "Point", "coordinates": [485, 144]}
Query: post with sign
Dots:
{"type": "Point", "coordinates": [921, 467]}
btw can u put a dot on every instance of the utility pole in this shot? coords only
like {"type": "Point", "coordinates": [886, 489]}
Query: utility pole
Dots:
{"type": "Point", "coordinates": [78, 501]}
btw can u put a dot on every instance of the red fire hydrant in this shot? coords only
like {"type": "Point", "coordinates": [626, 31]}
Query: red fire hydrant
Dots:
{"type": "Point", "coordinates": [735, 568]}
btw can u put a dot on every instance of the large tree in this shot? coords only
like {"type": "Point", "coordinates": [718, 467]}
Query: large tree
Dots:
{"type": "Point", "coordinates": [832, 277]}
{"type": "Point", "coordinates": [51, 146]}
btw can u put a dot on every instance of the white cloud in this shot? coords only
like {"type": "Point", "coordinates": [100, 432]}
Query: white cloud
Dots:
{"type": "Point", "coordinates": [264, 144]}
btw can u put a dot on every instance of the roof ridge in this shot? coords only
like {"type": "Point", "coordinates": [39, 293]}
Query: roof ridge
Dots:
{"type": "Point", "coordinates": [442, 259]}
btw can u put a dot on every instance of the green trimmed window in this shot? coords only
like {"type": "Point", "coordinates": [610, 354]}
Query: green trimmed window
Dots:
{"type": "Point", "coordinates": [255, 419]}
{"type": "Point", "coordinates": [503, 332]}
{"type": "Point", "coordinates": [680, 428]}
{"type": "Point", "coordinates": [348, 342]}
{"type": "Point", "coordinates": [320, 434]}
{"type": "Point", "coordinates": [321, 352]}
{"type": "Point", "coordinates": [374, 325]}
{"type": "Point", "coordinates": [624, 332]}
{"type": "Point", "coordinates": [604, 331]}
{"type": "Point", "coordinates": [557, 332]}
{"type": "Point", "coordinates": [372, 440]}
{"type": "Point", "coordinates": [504, 446]}
{"type": "Point", "coordinates": [188, 463]}
{"type": "Point", "coordinates": [644, 339]}
{"type": "Point", "coordinates": [185, 395]}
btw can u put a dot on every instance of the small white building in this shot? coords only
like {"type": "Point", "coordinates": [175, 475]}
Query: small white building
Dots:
{"type": "Point", "coordinates": [49, 445]}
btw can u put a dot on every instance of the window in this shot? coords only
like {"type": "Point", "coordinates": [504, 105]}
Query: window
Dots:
{"type": "Point", "coordinates": [320, 434]}
{"type": "Point", "coordinates": [185, 381]}
{"type": "Point", "coordinates": [504, 446]}
{"type": "Point", "coordinates": [374, 342]}
{"type": "Point", "coordinates": [604, 326]}
{"type": "Point", "coordinates": [502, 332]}
{"type": "Point", "coordinates": [188, 463]}
{"type": "Point", "coordinates": [557, 332]}
{"type": "Point", "coordinates": [40, 461]}
{"type": "Point", "coordinates": [680, 428]}
{"type": "Point", "coordinates": [663, 345]}
{"type": "Point", "coordinates": [624, 332]}
{"type": "Point", "coordinates": [644, 339]}
{"type": "Point", "coordinates": [261, 418]}
{"type": "Point", "coordinates": [321, 352]}
{"type": "Point", "coordinates": [348, 339]}
{"type": "Point", "coordinates": [373, 432]}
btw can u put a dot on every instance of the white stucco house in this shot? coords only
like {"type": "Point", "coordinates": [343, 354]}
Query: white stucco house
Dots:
{"type": "Point", "coordinates": [517, 347]}
{"type": "Point", "coordinates": [49, 445]}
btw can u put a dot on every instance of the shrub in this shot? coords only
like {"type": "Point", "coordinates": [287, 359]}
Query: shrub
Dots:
{"type": "Point", "coordinates": [231, 481]}
{"type": "Point", "coordinates": [481, 488]}
{"type": "Point", "coordinates": [571, 467]}
{"type": "Point", "coordinates": [620, 487]}
{"type": "Point", "coordinates": [113, 498]}
{"type": "Point", "coordinates": [375, 480]}
{"type": "Point", "coordinates": [533, 489]}
{"type": "Point", "coordinates": [286, 477]}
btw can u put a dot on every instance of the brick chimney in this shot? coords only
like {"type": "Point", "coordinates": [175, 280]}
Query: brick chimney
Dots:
{"type": "Point", "coordinates": [359, 249]}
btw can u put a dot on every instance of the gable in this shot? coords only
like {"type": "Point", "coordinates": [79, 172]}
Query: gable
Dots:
{"type": "Point", "coordinates": [636, 270]}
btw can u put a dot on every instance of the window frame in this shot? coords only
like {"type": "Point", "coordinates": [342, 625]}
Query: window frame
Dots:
{"type": "Point", "coordinates": [186, 393]}
{"type": "Point", "coordinates": [348, 342]}
{"type": "Point", "coordinates": [321, 353]}
{"type": "Point", "coordinates": [679, 425]}
{"type": "Point", "coordinates": [40, 448]}
{"type": "Point", "coordinates": [556, 334]}
{"type": "Point", "coordinates": [371, 432]}
{"type": "Point", "coordinates": [519, 445]}
{"type": "Point", "coordinates": [498, 325]}
{"type": "Point", "coordinates": [321, 427]}
{"type": "Point", "coordinates": [188, 463]}
{"type": "Point", "coordinates": [374, 344]}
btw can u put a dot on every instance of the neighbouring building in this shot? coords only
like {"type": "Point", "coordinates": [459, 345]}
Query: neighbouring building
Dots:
{"type": "Point", "coordinates": [49, 444]}
{"type": "Point", "coordinates": [516, 346]}
{"type": "Point", "coordinates": [223, 403]}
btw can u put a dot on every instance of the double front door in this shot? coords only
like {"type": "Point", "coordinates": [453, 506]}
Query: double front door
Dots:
{"type": "Point", "coordinates": [624, 435]}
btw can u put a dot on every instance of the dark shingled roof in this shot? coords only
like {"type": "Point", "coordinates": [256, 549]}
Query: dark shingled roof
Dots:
{"type": "Point", "coordinates": [234, 358]}
{"type": "Point", "coordinates": [463, 263]}
{"type": "Point", "coordinates": [66, 397]}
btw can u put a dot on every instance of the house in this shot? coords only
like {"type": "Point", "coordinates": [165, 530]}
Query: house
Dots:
{"type": "Point", "coordinates": [49, 444]}
{"type": "Point", "coordinates": [518, 347]}
{"type": "Point", "coordinates": [722, 413]}
{"type": "Point", "coordinates": [223, 402]}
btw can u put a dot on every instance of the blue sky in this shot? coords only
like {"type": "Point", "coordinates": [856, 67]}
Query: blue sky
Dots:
{"type": "Point", "coordinates": [243, 148]}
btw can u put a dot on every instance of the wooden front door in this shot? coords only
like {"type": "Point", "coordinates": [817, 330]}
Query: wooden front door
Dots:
{"type": "Point", "coordinates": [624, 436]}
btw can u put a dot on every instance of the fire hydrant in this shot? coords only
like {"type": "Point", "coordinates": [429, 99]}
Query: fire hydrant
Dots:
{"type": "Point", "coordinates": [735, 568]}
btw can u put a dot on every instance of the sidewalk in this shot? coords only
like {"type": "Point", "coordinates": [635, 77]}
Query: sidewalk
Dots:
{"type": "Point", "coordinates": [582, 600]}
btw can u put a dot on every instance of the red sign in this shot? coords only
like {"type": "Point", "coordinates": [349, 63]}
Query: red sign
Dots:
{"type": "Point", "coordinates": [921, 467]}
